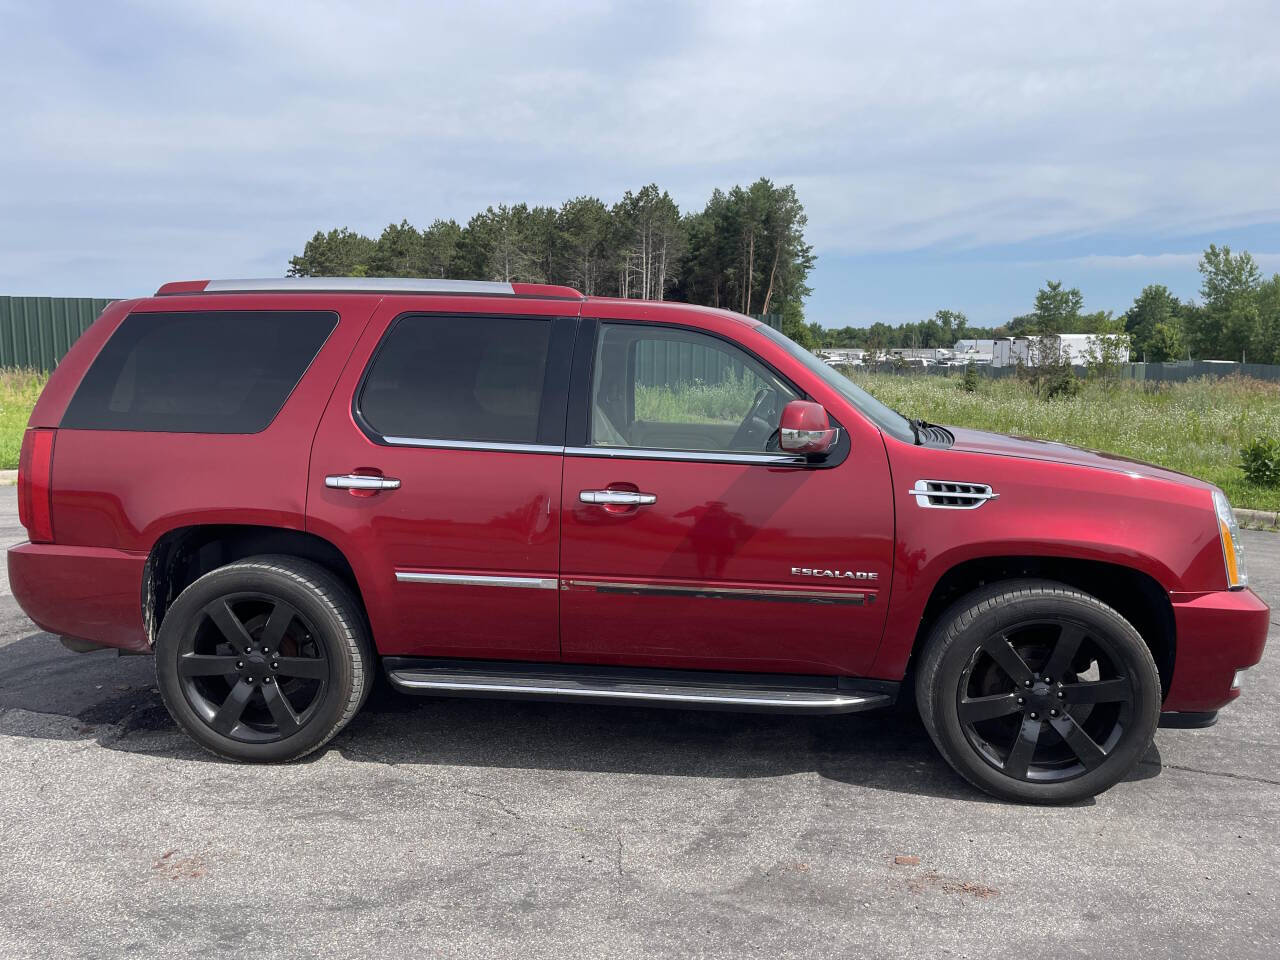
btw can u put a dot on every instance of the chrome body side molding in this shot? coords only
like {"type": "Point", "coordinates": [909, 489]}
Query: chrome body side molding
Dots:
{"type": "Point", "coordinates": [711, 593]}
{"type": "Point", "coordinates": [477, 580]}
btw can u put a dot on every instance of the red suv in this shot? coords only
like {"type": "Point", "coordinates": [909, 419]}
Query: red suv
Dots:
{"type": "Point", "coordinates": [510, 490]}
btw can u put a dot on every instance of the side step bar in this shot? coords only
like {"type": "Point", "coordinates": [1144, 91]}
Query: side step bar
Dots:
{"type": "Point", "coordinates": [696, 690]}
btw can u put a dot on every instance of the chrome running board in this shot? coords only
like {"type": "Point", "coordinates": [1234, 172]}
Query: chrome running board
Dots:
{"type": "Point", "coordinates": [698, 690]}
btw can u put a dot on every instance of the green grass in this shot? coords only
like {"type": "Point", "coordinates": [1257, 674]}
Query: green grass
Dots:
{"type": "Point", "coordinates": [725, 402]}
{"type": "Point", "coordinates": [19, 390]}
{"type": "Point", "coordinates": [1196, 427]}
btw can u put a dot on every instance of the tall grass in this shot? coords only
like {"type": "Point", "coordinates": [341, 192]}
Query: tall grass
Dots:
{"type": "Point", "coordinates": [19, 389]}
{"type": "Point", "coordinates": [696, 402]}
{"type": "Point", "coordinates": [1196, 427]}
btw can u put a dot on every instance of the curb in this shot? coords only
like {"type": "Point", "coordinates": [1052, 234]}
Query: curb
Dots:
{"type": "Point", "coordinates": [1258, 519]}
{"type": "Point", "coordinates": [8, 478]}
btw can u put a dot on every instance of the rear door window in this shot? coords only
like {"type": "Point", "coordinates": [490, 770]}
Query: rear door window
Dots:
{"type": "Point", "coordinates": [198, 372]}
{"type": "Point", "coordinates": [463, 378]}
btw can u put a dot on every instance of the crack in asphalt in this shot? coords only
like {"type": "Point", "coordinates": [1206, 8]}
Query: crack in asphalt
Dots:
{"type": "Point", "coordinates": [1209, 773]}
{"type": "Point", "coordinates": [495, 801]}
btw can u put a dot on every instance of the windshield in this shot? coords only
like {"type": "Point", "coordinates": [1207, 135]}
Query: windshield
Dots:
{"type": "Point", "coordinates": [883, 417]}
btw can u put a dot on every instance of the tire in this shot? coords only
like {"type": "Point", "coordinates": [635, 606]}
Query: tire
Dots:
{"type": "Point", "coordinates": [264, 660]}
{"type": "Point", "coordinates": [983, 698]}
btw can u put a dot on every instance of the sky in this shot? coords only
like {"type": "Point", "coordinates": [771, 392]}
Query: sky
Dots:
{"type": "Point", "coordinates": [948, 155]}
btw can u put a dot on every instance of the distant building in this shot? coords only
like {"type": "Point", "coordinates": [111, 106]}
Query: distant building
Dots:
{"type": "Point", "coordinates": [979, 351]}
{"type": "Point", "coordinates": [1075, 347]}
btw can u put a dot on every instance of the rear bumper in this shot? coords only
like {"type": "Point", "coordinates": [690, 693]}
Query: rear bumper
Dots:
{"type": "Point", "coordinates": [1217, 634]}
{"type": "Point", "coordinates": [90, 593]}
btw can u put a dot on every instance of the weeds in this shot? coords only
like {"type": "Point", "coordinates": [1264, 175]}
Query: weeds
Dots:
{"type": "Point", "coordinates": [19, 389]}
{"type": "Point", "coordinates": [1197, 427]}
{"type": "Point", "coordinates": [697, 402]}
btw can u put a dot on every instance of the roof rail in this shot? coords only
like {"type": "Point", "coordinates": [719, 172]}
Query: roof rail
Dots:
{"type": "Point", "coordinates": [485, 288]}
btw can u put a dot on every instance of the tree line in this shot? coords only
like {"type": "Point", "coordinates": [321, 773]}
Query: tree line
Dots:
{"type": "Point", "coordinates": [744, 251]}
{"type": "Point", "coordinates": [1236, 318]}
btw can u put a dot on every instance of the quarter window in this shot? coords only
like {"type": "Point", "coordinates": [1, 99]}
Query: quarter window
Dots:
{"type": "Point", "coordinates": [661, 388]}
{"type": "Point", "coordinates": [198, 372]}
{"type": "Point", "coordinates": [458, 378]}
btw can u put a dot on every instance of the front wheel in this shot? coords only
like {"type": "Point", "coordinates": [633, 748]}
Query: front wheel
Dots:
{"type": "Point", "coordinates": [1037, 692]}
{"type": "Point", "coordinates": [264, 660]}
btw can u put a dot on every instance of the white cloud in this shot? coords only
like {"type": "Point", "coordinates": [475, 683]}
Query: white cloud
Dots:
{"type": "Point", "coordinates": [152, 140]}
{"type": "Point", "coordinates": [1139, 263]}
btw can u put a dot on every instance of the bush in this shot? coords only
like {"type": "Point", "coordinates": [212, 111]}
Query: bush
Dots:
{"type": "Point", "coordinates": [1060, 381]}
{"type": "Point", "coordinates": [1260, 461]}
{"type": "Point", "coordinates": [970, 381]}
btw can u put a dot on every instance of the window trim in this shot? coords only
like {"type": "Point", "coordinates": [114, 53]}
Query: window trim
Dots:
{"type": "Point", "coordinates": [284, 401]}
{"type": "Point", "coordinates": [551, 403]}
{"type": "Point", "coordinates": [578, 432]}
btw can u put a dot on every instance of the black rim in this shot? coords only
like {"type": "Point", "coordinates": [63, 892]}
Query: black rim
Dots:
{"type": "Point", "coordinates": [252, 668]}
{"type": "Point", "coordinates": [1045, 701]}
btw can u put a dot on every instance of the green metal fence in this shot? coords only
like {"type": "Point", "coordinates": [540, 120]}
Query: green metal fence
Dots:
{"type": "Point", "coordinates": [668, 362]}
{"type": "Point", "coordinates": [38, 331]}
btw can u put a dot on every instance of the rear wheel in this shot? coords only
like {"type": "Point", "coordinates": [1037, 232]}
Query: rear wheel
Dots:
{"type": "Point", "coordinates": [1037, 692]}
{"type": "Point", "coordinates": [264, 660]}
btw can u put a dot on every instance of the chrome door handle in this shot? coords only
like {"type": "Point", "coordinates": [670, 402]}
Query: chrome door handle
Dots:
{"type": "Point", "coordinates": [622, 497]}
{"type": "Point", "coordinates": [359, 481]}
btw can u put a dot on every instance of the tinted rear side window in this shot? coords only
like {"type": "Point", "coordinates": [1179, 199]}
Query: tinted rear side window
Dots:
{"type": "Point", "coordinates": [208, 372]}
{"type": "Point", "coordinates": [458, 378]}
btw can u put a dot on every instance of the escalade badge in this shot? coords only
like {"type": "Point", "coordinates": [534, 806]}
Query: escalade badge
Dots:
{"type": "Point", "coordinates": [834, 574]}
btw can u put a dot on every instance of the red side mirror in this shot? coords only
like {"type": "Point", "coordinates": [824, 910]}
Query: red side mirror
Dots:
{"type": "Point", "coordinates": [805, 428]}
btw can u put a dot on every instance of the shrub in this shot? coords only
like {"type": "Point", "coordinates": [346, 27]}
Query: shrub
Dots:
{"type": "Point", "coordinates": [970, 381]}
{"type": "Point", "coordinates": [1060, 381]}
{"type": "Point", "coordinates": [1260, 461]}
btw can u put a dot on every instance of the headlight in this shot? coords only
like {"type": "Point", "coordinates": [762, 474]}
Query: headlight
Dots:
{"type": "Point", "coordinates": [1232, 550]}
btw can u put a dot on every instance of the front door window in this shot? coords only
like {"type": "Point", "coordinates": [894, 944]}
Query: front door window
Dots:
{"type": "Point", "coordinates": [657, 388]}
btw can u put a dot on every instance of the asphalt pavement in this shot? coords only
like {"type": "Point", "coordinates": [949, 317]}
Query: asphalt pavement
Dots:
{"type": "Point", "coordinates": [454, 828]}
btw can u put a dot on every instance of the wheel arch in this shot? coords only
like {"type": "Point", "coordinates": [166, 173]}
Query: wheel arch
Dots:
{"type": "Point", "coordinates": [1134, 594]}
{"type": "Point", "coordinates": [184, 554]}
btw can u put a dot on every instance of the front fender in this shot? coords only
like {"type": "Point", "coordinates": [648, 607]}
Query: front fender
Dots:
{"type": "Point", "coordinates": [1158, 527]}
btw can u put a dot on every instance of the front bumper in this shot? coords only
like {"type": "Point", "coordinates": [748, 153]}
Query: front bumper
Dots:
{"type": "Point", "coordinates": [89, 593]}
{"type": "Point", "coordinates": [1217, 634]}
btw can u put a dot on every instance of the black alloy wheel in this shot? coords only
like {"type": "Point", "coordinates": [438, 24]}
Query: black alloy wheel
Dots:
{"type": "Point", "coordinates": [1038, 692]}
{"type": "Point", "coordinates": [251, 668]}
{"type": "Point", "coordinates": [264, 659]}
{"type": "Point", "coordinates": [1045, 701]}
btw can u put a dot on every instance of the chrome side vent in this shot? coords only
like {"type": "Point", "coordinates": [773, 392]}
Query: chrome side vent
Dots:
{"type": "Point", "coordinates": [951, 495]}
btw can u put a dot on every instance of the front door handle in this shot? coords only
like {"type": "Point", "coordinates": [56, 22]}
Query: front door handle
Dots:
{"type": "Point", "coordinates": [625, 498]}
{"type": "Point", "coordinates": [360, 481]}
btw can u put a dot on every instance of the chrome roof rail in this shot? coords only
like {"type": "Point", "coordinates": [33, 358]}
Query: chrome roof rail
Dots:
{"type": "Point", "coordinates": [487, 288]}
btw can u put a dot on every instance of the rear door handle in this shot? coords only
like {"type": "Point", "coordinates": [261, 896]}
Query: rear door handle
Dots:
{"type": "Point", "coordinates": [359, 481]}
{"type": "Point", "coordinates": [628, 498]}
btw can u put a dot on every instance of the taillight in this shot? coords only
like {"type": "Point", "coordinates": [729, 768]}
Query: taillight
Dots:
{"type": "Point", "coordinates": [35, 484]}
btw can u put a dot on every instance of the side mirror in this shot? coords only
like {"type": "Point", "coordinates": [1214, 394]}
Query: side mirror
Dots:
{"type": "Point", "coordinates": [805, 428]}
